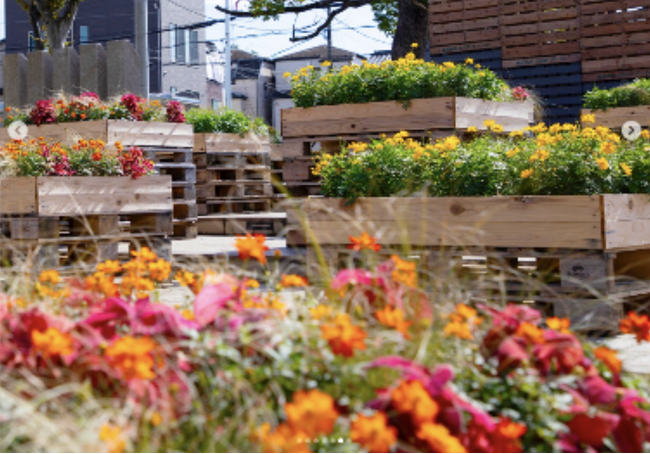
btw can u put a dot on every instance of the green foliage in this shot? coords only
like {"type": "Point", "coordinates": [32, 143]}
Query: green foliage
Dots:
{"type": "Point", "coordinates": [402, 80]}
{"type": "Point", "coordinates": [635, 94]}
{"type": "Point", "coordinates": [386, 14]}
{"type": "Point", "coordinates": [562, 160]}
{"type": "Point", "coordinates": [225, 121]}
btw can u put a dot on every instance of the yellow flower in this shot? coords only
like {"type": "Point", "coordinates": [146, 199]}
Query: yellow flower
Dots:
{"type": "Point", "coordinates": [112, 436]}
{"type": "Point", "coordinates": [320, 311]}
{"type": "Point", "coordinates": [51, 276]}
{"type": "Point", "coordinates": [481, 74]}
{"type": "Point", "coordinates": [497, 128]}
{"type": "Point", "coordinates": [512, 152]}
{"type": "Point", "coordinates": [286, 75]}
{"type": "Point", "coordinates": [415, 45]}
{"type": "Point", "coordinates": [326, 63]}
{"type": "Point", "coordinates": [449, 64]}
{"type": "Point", "coordinates": [588, 118]}
{"type": "Point", "coordinates": [489, 123]}
{"type": "Point", "coordinates": [527, 173]}
{"type": "Point", "coordinates": [602, 163]}
{"type": "Point", "coordinates": [156, 419]}
{"type": "Point", "coordinates": [469, 61]}
{"type": "Point", "coordinates": [472, 129]}
{"type": "Point", "coordinates": [645, 134]}
{"type": "Point", "coordinates": [626, 169]}
{"type": "Point", "coordinates": [518, 133]}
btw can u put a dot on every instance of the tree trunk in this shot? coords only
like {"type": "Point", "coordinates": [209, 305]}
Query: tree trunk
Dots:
{"type": "Point", "coordinates": [34, 19]}
{"type": "Point", "coordinates": [412, 28]}
{"type": "Point", "coordinates": [57, 33]}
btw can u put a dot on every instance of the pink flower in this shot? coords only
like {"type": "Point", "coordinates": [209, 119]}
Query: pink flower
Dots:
{"type": "Point", "coordinates": [175, 112]}
{"type": "Point", "coordinates": [43, 113]}
{"type": "Point", "coordinates": [212, 300]}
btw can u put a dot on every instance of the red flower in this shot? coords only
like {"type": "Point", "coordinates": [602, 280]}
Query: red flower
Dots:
{"type": "Point", "coordinates": [561, 351]}
{"type": "Point", "coordinates": [591, 430]}
{"type": "Point", "coordinates": [43, 113]}
{"type": "Point", "coordinates": [175, 112]}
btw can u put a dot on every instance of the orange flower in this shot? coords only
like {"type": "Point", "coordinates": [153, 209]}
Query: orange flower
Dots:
{"type": "Point", "coordinates": [561, 325]}
{"type": "Point", "coordinates": [112, 436]}
{"type": "Point", "coordinates": [639, 325]}
{"type": "Point", "coordinates": [97, 156]}
{"type": "Point", "coordinates": [458, 329]}
{"type": "Point", "coordinates": [373, 433]}
{"type": "Point", "coordinates": [404, 272]}
{"type": "Point", "coordinates": [507, 436]}
{"type": "Point", "coordinates": [187, 314]}
{"type": "Point", "coordinates": [83, 116]}
{"type": "Point", "coordinates": [50, 276]}
{"type": "Point", "coordinates": [100, 283]}
{"type": "Point", "coordinates": [531, 333]}
{"type": "Point", "coordinates": [609, 358]}
{"type": "Point", "coordinates": [311, 412]}
{"type": "Point", "coordinates": [320, 311]}
{"type": "Point", "coordinates": [252, 247]}
{"type": "Point", "coordinates": [439, 438]}
{"type": "Point", "coordinates": [109, 267]}
{"type": "Point", "coordinates": [343, 336]}
{"type": "Point", "coordinates": [293, 280]}
{"type": "Point", "coordinates": [394, 318]}
{"type": "Point", "coordinates": [282, 439]}
{"type": "Point", "coordinates": [365, 241]}
{"type": "Point", "coordinates": [160, 270]}
{"type": "Point", "coordinates": [411, 397]}
{"type": "Point", "coordinates": [52, 342]}
{"type": "Point", "coordinates": [133, 357]}
{"type": "Point", "coordinates": [144, 255]}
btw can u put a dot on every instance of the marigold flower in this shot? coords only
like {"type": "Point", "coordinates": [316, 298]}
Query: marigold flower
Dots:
{"type": "Point", "coordinates": [160, 270]}
{"type": "Point", "coordinates": [530, 333]}
{"type": "Point", "coordinates": [405, 272]}
{"type": "Point", "coordinates": [364, 241]}
{"type": "Point", "coordinates": [439, 438]}
{"type": "Point", "coordinates": [394, 318]}
{"type": "Point", "coordinates": [412, 397]}
{"type": "Point", "coordinates": [627, 170]}
{"type": "Point", "coordinates": [344, 337]}
{"type": "Point", "coordinates": [282, 439]}
{"type": "Point", "coordinates": [109, 267]}
{"type": "Point", "coordinates": [609, 358]}
{"type": "Point", "coordinates": [373, 433]}
{"type": "Point", "coordinates": [588, 118]}
{"type": "Point", "coordinates": [608, 148]}
{"type": "Point", "coordinates": [311, 412]}
{"type": "Point", "coordinates": [102, 284]}
{"type": "Point", "coordinates": [293, 280]}
{"type": "Point", "coordinates": [144, 255]}
{"type": "Point", "coordinates": [252, 247]}
{"type": "Point", "coordinates": [321, 311]}
{"type": "Point", "coordinates": [132, 357]}
{"type": "Point", "coordinates": [639, 325]}
{"type": "Point", "coordinates": [50, 276]}
{"type": "Point", "coordinates": [52, 342]}
{"type": "Point", "coordinates": [112, 436]}
{"type": "Point", "coordinates": [527, 173]}
{"type": "Point", "coordinates": [602, 163]}
{"type": "Point", "coordinates": [560, 325]}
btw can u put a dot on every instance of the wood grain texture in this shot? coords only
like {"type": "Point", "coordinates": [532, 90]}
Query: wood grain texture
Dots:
{"type": "Point", "coordinates": [513, 116]}
{"type": "Point", "coordinates": [230, 143]}
{"type": "Point", "coordinates": [626, 221]}
{"type": "Point", "coordinates": [150, 134]}
{"type": "Point", "coordinates": [18, 195]}
{"type": "Point", "coordinates": [64, 133]}
{"type": "Point", "coordinates": [79, 196]}
{"type": "Point", "coordinates": [616, 117]}
{"type": "Point", "coordinates": [548, 222]}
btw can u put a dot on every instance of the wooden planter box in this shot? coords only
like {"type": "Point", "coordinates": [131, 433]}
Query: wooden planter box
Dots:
{"type": "Point", "coordinates": [130, 133]}
{"type": "Point", "coordinates": [84, 196]}
{"type": "Point", "coordinates": [449, 113]}
{"type": "Point", "coordinates": [230, 143]}
{"type": "Point", "coordinates": [586, 242]}
{"type": "Point", "coordinates": [616, 117]}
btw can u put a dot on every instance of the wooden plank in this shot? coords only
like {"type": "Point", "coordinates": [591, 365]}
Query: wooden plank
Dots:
{"type": "Point", "coordinates": [79, 196]}
{"type": "Point", "coordinates": [539, 27]}
{"type": "Point", "coordinates": [543, 38]}
{"type": "Point", "coordinates": [461, 47]}
{"type": "Point", "coordinates": [541, 50]}
{"type": "Point", "coordinates": [557, 59]}
{"type": "Point", "coordinates": [626, 221]}
{"type": "Point", "coordinates": [513, 116]}
{"type": "Point", "coordinates": [616, 51]}
{"type": "Point", "coordinates": [229, 143]}
{"type": "Point", "coordinates": [615, 75]}
{"type": "Point", "coordinates": [18, 195]}
{"type": "Point", "coordinates": [369, 117]}
{"type": "Point", "coordinates": [64, 133]}
{"type": "Point", "coordinates": [465, 25]}
{"type": "Point", "coordinates": [151, 134]}
{"type": "Point", "coordinates": [616, 64]}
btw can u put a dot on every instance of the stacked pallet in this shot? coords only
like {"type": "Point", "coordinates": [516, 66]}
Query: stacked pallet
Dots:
{"type": "Point", "coordinates": [234, 188]}
{"type": "Point", "coordinates": [177, 163]}
{"type": "Point", "coordinates": [55, 221]}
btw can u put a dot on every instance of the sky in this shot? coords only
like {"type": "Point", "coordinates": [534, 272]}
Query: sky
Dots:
{"type": "Point", "coordinates": [353, 30]}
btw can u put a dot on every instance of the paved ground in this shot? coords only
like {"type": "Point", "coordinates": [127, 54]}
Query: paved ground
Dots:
{"type": "Point", "coordinates": [636, 358]}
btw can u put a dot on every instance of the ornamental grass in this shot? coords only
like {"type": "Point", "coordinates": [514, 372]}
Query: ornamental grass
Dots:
{"type": "Point", "coordinates": [380, 360]}
{"type": "Point", "coordinates": [397, 80]}
{"type": "Point", "coordinates": [562, 159]}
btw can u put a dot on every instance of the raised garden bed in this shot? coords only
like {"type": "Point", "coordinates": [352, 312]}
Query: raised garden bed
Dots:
{"type": "Point", "coordinates": [580, 243]}
{"type": "Point", "coordinates": [616, 117]}
{"type": "Point", "coordinates": [88, 215]}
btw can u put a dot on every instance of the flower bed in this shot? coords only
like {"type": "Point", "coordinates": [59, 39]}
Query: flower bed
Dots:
{"type": "Point", "coordinates": [375, 364]}
{"type": "Point", "coordinates": [614, 107]}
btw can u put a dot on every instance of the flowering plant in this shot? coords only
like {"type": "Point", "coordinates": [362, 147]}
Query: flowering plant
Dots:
{"type": "Point", "coordinates": [634, 94]}
{"type": "Point", "coordinates": [401, 80]}
{"type": "Point", "coordinates": [87, 158]}
{"type": "Point", "coordinates": [556, 160]}
{"type": "Point", "coordinates": [362, 364]}
{"type": "Point", "coordinates": [89, 107]}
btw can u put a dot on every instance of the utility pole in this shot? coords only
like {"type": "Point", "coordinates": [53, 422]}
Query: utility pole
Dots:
{"type": "Point", "coordinates": [141, 43]}
{"type": "Point", "coordinates": [228, 64]}
{"type": "Point", "coordinates": [329, 36]}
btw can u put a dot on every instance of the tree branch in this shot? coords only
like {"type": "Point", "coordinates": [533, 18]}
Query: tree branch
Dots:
{"type": "Point", "coordinates": [420, 5]}
{"type": "Point", "coordinates": [321, 27]}
{"type": "Point", "coordinates": [321, 4]}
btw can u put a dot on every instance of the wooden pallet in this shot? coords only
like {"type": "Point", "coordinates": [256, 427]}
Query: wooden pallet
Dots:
{"type": "Point", "coordinates": [616, 117]}
{"type": "Point", "coordinates": [178, 164]}
{"type": "Point", "coordinates": [269, 224]}
{"type": "Point", "coordinates": [590, 244]}
{"type": "Point", "coordinates": [49, 221]}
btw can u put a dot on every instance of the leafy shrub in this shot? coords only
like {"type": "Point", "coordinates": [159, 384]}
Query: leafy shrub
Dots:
{"type": "Point", "coordinates": [402, 80]}
{"type": "Point", "coordinates": [560, 160]}
{"type": "Point", "coordinates": [635, 94]}
{"type": "Point", "coordinates": [226, 121]}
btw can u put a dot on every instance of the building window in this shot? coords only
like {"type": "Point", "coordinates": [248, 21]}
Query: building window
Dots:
{"type": "Point", "coordinates": [31, 42]}
{"type": "Point", "coordinates": [215, 104]}
{"type": "Point", "coordinates": [194, 47]}
{"type": "Point", "coordinates": [172, 43]}
{"type": "Point", "coordinates": [181, 41]}
{"type": "Point", "coordinates": [83, 34]}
